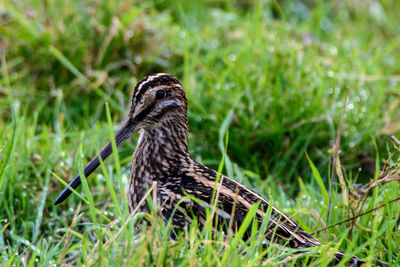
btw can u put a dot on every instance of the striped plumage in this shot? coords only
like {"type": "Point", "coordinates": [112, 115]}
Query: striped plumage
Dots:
{"type": "Point", "coordinates": [159, 111]}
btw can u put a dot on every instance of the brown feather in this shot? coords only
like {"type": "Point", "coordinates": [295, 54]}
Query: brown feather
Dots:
{"type": "Point", "coordinates": [162, 155]}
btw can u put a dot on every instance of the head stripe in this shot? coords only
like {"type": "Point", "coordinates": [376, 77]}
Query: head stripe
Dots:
{"type": "Point", "coordinates": [152, 81]}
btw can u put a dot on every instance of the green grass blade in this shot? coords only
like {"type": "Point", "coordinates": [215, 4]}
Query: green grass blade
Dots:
{"type": "Point", "coordinates": [318, 178]}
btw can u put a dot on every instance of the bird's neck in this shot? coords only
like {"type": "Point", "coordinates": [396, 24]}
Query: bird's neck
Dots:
{"type": "Point", "coordinates": [163, 144]}
{"type": "Point", "coordinates": [160, 154]}
{"type": "Point", "coordinates": [169, 134]}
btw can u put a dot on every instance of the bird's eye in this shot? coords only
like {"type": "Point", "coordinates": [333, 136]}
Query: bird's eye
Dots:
{"type": "Point", "coordinates": [160, 94]}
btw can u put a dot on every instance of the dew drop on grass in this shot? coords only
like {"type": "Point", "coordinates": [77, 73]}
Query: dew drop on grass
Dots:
{"type": "Point", "coordinates": [359, 169]}
{"type": "Point", "coordinates": [125, 179]}
{"type": "Point", "coordinates": [16, 105]}
{"type": "Point", "coordinates": [137, 60]}
{"type": "Point", "coordinates": [330, 91]}
{"type": "Point", "coordinates": [232, 57]}
{"type": "Point", "coordinates": [330, 73]}
{"type": "Point", "coordinates": [350, 106]}
{"type": "Point", "coordinates": [182, 34]}
{"type": "Point", "coordinates": [352, 144]}
{"type": "Point", "coordinates": [101, 177]}
{"type": "Point", "coordinates": [364, 94]}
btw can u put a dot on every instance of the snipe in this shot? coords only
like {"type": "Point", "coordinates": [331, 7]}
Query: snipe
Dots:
{"type": "Point", "coordinates": [159, 111]}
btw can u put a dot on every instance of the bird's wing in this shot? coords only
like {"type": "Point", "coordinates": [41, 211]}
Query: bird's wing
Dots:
{"type": "Point", "coordinates": [235, 200]}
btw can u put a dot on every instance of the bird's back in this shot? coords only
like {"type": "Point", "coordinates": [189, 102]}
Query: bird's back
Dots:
{"type": "Point", "coordinates": [194, 190]}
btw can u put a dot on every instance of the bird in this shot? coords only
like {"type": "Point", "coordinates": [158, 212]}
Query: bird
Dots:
{"type": "Point", "coordinates": [159, 113]}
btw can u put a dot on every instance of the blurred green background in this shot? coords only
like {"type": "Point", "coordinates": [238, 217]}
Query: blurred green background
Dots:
{"type": "Point", "coordinates": [277, 71]}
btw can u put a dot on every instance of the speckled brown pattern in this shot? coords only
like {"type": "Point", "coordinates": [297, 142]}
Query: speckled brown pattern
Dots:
{"type": "Point", "coordinates": [162, 156]}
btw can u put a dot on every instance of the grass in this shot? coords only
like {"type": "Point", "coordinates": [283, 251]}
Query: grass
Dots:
{"type": "Point", "coordinates": [273, 73]}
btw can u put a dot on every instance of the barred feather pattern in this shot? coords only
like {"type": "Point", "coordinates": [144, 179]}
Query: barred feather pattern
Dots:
{"type": "Point", "coordinates": [162, 156]}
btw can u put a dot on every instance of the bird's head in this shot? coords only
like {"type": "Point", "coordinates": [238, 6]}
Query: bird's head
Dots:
{"type": "Point", "coordinates": [157, 99]}
{"type": "Point", "coordinates": [154, 98]}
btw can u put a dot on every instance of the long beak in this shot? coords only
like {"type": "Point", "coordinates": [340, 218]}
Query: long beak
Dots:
{"type": "Point", "coordinates": [121, 136]}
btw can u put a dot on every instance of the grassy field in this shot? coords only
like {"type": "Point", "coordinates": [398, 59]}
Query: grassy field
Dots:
{"type": "Point", "coordinates": [274, 74]}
